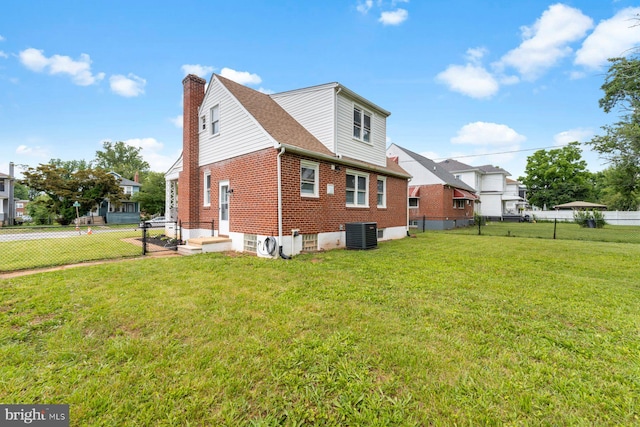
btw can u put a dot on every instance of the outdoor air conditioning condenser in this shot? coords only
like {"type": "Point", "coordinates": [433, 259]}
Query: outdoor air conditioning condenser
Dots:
{"type": "Point", "coordinates": [362, 235]}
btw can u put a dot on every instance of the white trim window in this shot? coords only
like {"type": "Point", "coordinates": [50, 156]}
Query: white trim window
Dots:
{"type": "Point", "coordinates": [357, 189]}
{"type": "Point", "coordinates": [309, 174]}
{"type": "Point", "coordinates": [382, 192]}
{"type": "Point", "coordinates": [215, 120]}
{"type": "Point", "coordinates": [413, 202]}
{"type": "Point", "coordinates": [207, 188]}
{"type": "Point", "coordinates": [203, 123]}
{"type": "Point", "coordinates": [361, 124]}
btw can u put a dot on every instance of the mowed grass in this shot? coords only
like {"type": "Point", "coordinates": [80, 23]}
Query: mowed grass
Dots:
{"type": "Point", "coordinates": [563, 231]}
{"type": "Point", "coordinates": [46, 252]}
{"type": "Point", "coordinates": [440, 329]}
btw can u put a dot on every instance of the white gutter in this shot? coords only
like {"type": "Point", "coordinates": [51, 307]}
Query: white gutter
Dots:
{"type": "Point", "coordinates": [341, 160]}
{"type": "Point", "coordinates": [282, 150]}
{"type": "Point", "coordinates": [335, 122]}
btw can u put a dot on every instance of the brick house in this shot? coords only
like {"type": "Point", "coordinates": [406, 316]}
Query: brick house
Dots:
{"type": "Point", "coordinates": [291, 168]}
{"type": "Point", "coordinates": [437, 200]}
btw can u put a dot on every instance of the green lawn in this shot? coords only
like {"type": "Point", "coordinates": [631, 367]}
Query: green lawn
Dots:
{"type": "Point", "coordinates": [441, 329]}
{"type": "Point", "coordinates": [46, 252]}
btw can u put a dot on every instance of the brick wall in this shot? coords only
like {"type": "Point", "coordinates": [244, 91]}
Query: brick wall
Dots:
{"type": "Point", "coordinates": [327, 212]}
{"type": "Point", "coordinates": [253, 205]}
{"type": "Point", "coordinates": [436, 202]}
{"type": "Point", "coordinates": [188, 179]}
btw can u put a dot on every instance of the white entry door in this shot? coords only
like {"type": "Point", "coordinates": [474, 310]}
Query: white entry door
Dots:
{"type": "Point", "coordinates": [223, 219]}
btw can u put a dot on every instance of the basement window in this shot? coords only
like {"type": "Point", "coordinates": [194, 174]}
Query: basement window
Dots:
{"type": "Point", "coordinates": [250, 243]}
{"type": "Point", "coordinates": [309, 242]}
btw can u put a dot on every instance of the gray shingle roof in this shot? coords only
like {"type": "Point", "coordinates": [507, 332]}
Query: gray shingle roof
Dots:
{"type": "Point", "coordinates": [437, 170]}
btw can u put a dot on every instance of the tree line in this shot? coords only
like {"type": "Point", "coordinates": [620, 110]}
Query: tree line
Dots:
{"type": "Point", "coordinates": [560, 175]}
{"type": "Point", "coordinates": [53, 188]}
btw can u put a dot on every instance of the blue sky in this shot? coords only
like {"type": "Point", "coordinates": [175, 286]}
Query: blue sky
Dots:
{"type": "Point", "coordinates": [462, 78]}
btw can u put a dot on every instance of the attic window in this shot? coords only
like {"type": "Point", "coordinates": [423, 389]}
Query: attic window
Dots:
{"type": "Point", "coordinates": [215, 120]}
{"type": "Point", "coordinates": [203, 122]}
{"type": "Point", "coordinates": [361, 124]}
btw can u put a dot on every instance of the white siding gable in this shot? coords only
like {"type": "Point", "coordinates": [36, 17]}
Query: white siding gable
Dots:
{"type": "Point", "coordinates": [239, 131]}
{"type": "Point", "coordinates": [372, 152]}
{"type": "Point", "coordinates": [493, 182]}
{"type": "Point", "coordinates": [313, 108]}
{"type": "Point", "coordinates": [420, 174]}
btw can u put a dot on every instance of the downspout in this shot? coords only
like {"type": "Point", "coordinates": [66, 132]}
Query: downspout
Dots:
{"type": "Point", "coordinates": [282, 150]}
{"type": "Point", "coordinates": [335, 123]}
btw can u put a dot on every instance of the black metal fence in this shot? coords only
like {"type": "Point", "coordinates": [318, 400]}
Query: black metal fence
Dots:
{"type": "Point", "coordinates": [618, 231]}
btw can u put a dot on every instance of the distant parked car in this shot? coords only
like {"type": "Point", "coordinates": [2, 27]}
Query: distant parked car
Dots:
{"type": "Point", "coordinates": [157, 222]}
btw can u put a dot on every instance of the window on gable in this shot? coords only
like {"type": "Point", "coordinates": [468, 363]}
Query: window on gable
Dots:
{"type": "Point", "coordinates": [308, 179]}
{"type": "Point", "coordinates": [382, 192]}
{"type": "Point", "coordinates": [207, 189]}
{"type": "Point", "coordinates": [361, 124]}
{"type": "Point", "coordinates": [203, 122]}
{"type": "Point", "coordinates": [215, 120]}
{"type": "Point", "coordinates": [357, 189]}
{"type": "Point", "coordinates": [413, 202]}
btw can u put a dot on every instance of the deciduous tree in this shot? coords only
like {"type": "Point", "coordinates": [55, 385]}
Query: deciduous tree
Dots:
{"type": "Point", "coordinates": [121, 158]}
{"type": "Point", "coordinates": [557, 176]}
{"type": "Point", "coordinates": [89, 187]}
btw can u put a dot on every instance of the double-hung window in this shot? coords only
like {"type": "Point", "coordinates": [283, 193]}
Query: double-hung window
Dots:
{"type": "Point", "coordinates": [308, 179]}
{"type": "Point", "coordinates": [357, 189]}
{"type": "Point", "coordinates": [203, 123]}
{"type": "Point", "coordinates": [361, 124]}
{"type": "Point", "coordinates": [382, 192]}
{"type": "Point", "coordinates": [215, 120]}
{"type": "Point", "coordinates": [207, 189]}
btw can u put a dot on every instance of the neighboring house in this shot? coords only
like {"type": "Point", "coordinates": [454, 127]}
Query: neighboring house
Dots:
{"type": "Point", "coordinates": [291, 168]}
{"type": "Point", "coordinates": [490, 183]}
{"type": "Point", "coordinates": [7, 209]}
{"type": "Point", "coordinates": [126, 211]}
{"type": "Point", "coordinates": [515, 197]}
{"type": "Point", "coordinates": [21, 208]}
{"type": "Point", "coordinates": [437, 200]}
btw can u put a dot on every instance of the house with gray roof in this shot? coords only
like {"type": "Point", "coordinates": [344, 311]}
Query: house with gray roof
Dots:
{"type": "Point", "coordinates": [496, 201]}
{"type": "Point", "coordinates": [436, 199]}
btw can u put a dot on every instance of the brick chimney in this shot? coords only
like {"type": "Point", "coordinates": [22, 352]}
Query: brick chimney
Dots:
{"type": "Point", "coordinates": [189, 179]}
{"type": "Point", "coordinates": [136, 177]}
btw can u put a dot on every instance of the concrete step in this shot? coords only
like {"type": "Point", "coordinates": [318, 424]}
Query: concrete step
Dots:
{"type": "Point", "coordinates": [189, 249]}
{"type": "Point", "coordinates": [204, 245]}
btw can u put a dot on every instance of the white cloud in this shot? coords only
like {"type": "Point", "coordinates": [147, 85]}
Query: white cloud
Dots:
{"type": "Point", "coordinates": [151, 153]}
{"type": "Point", "coordinates": [79, 70]}
{"type": "Point", "coordinates": [364, 6]}
{"type": "Point", "coordinates": [177, 120]}
{"type": "Point", "coordinates": [474, 55]}
{"type": "Point", "coordinates": [571, 135]}
{"type": "Point", "coordinates": [471, 80]}
{"type": "Point", "coordinates": [3, 54]}
{"type": "Point", "coordinates": [490, 134]}
{"type": "Point", "coordinates": [242, 77]}
{"type": "Point", "coordinates": [547, 41]}
{"type": "Point", "coordinates": [2, 39]}
{"type": "Point", "coordinates": [395, 17]}
{"type": "Point", "coordinates": [265, 91]}
{"type": "Point", "coordinates": [128, 86]}
{"type": "Point", "coordinates": [611, 38]}
{"type": "Point", "coordinates": [25, 150]}
{"type": "Point", "coordinates": [197, 69]}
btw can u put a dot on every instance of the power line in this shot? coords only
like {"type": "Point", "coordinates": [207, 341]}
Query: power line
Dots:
{"type": "Point", "coordinates": [500, 152]}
